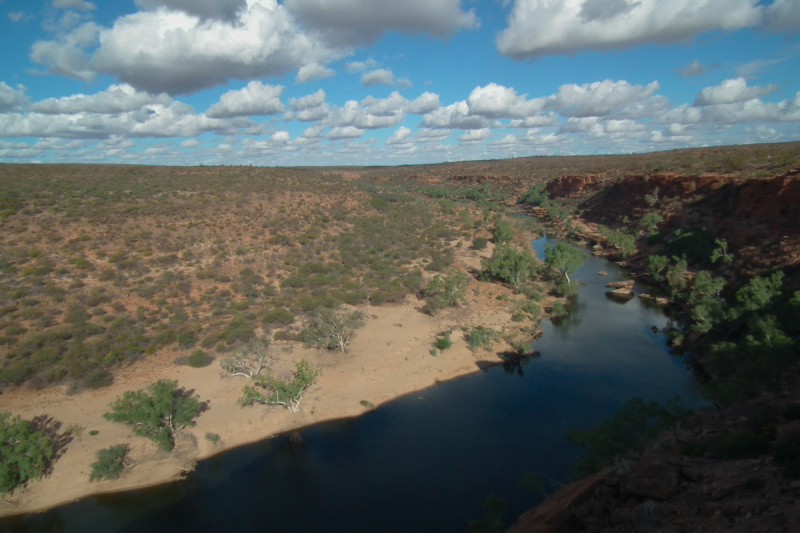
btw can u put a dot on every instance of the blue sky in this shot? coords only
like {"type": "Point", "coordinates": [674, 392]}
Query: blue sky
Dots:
{"type": "Point", "coordinates": [364, 82]}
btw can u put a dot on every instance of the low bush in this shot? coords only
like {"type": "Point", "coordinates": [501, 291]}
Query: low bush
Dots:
{"type": "Point", "coordinates": [25, 452]}
{"type": "Point", "coordinates": [199, 359]}
{"type": "Point", "coordinates": [110, 462]}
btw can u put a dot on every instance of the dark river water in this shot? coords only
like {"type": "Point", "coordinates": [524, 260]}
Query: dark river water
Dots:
{"type": "Point", "coordinates": [425, 462]}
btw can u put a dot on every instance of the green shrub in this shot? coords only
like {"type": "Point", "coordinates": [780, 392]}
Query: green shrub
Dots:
{"type": "Point", "coordinates": [483, 337]}
{"type": "Point", "coordinates": [443, 341]}
{"type": "Point", "coordinates": [97, 378]}
{"type": "Point", "coordinates": [110, 462]}
{"type": "Point", "coordinates": [558, 309]}
{"type": "Point", "coordinates": [186, 339]}
{"type": "Point", "coordinates": [278, 316]}
{"type": "Point", "coordinates": [199, 359]}
{"type": "Point", "coordinates": [480, 243]}
{"type": "Point", "coordinates": [25, 452]}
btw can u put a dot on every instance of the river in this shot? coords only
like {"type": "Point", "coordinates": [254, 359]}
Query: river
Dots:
{"type": "Point", "coordinates": [425, 462]}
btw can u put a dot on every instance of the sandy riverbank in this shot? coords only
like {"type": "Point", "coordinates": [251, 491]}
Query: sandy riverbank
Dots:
{"type": "Point", "coordinates": [389, 357]}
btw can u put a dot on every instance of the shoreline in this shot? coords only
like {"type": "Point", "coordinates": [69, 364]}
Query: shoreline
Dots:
{"type": "Point", "coordinates": [389, 358]}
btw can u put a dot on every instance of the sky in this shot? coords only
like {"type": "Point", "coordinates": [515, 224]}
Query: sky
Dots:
{"type": "Point", "coordinates": [389, 82]}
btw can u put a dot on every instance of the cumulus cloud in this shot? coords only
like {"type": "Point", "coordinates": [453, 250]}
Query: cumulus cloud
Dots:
{"type": "Point", "coordinates": [731, 92]}
{"type": "Point", "coordinates": [381, 76]}
{"type": "Point", "coordinates": [496, 101]}
{"type": "Point", "coordinates": [176, 53]}
{"type": "Point", "coordinates": [353, 22]}
{"type": "Point", "coordinates": [424, 103]}
{"type": "Point", "coordinates": [471, 137]}
{"type": "Point", "coordinates": [598, 98]}
{"type": "Point", "coordinates": [354, 67]}
{"type": "Point", "coordinates": [454, 116]}
{"type": "Point", "coordinates": [400, 136]}
{"type": "Point", "coordinates": [254, 99]}
{"type": "Point", "coordinates": [370, 113]}
{"type": "Point", "coordinates": [344, 132]}
{"type": "Point", "coordinates": [16, 16]}
{"type": "Point", "coordinates": [426, 135]}
{"type": "Point", "coordinates": [79, 5]}
{"type": "Point", "coordinates": [536, 121]}
{"type": "Point", "coordinates": [116, 99]}
{"type": "Point", "coordinates": [313, 71]}
{"type": "Point", "coordinates": [66, 56]}
{"type": "Point", "coordinates": [695, 68]}
{"type": "Point", "coordinates": [204, 9]}
{"type": "Point", "coordinates": [11, 98]}
{"type": "Point", "coordinates": [311, 107]}
{"type": "Point", "coordinates": [154, 120]}
{"type": "Point", "coordinates": [190, 143]}
{"type": "Point", "coordinates": [543, 27]}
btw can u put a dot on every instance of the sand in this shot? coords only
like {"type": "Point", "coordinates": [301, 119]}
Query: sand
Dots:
{"type": "Point", "coordinates": [389, 357]}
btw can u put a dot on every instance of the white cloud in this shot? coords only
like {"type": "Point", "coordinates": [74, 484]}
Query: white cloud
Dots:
{"type": "Point", "coordinates": [11, 98]}
{"type": "Point", "coordinates": [281, 136]}
{"type": "Point", "coordinates": [173, 52]}
{"type": "Point", "coordinates": [16, 16]}
{"type": "Point", "coordinates": [598, 98]}
{"type": "Point", "coordinates": [254, 99]}
{"type": "Point", "coordinates": [471, 137]}
{"type": "Point", "coordinates": [204, 9]}
{"type": "Point", "coordinates": [355, 67]}
{"type": "Point", "coordinates": [351, 22]}
{"type": "Point", "coordinates": [400, 136]}
{"type": "Point", "coordinates": [731, 92]}
{"type": "Point", "coordinates": [424, 103]}
{"type": "Point", "coordinates": [647, 107]}
{"type": "Point", "coordinates": [313, 71]}
{"type": "Point", "coordinates": [370, 113]}
{"type": "Point", "coordinates": [379, 76]}
{"type": "Point", "coordinates": [695, 68]}
{"type": "Point", "coordinates": [190, 143]}
{"type": "Point", "coordinates": [79, 5]}
{"type": "Point", "coordinates": [454, 116]}
{"type": "Point", "coordinates": [116, 99]}
{"type": "Point", "coordinates": [543, 27]}
{"type": "Point", "coordinates": [307, 102]}
{"type": "Point", "coordinates": [536, 121]}
{"type": "Point", "coordinates": [66, 56]}
{"type": "Point", "coordinates": [344, 132]}
{"type": "Point", "coordinates": [496, 101]}
{"type": "Point", "coordinates": [426, 135]}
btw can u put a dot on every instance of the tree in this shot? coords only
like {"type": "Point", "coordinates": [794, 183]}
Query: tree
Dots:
{"type": "Point", "coordinates": [655, 264]}
{"type": "Point", "coordinates": [445, 291]}
{"type": "Point", "coordinates": [650, 222]}
{"type": "Point", "coordinates": [721, 252]}
{"type": "Point", "coordinates": [759, 292]}
{"type": "Point", "coordinates": [707, 305]}
{"type": "Point", "coordinates": [676, 275]}
{"type": "Point", "coordinates": [333, 330]}
{"type": "Point", "coordinates": [503, 232]}
{"type": "Point", "coordinates": [248, 360]}
{"type": "Point", "coordinates": [24, 452]}
{"type": "Point", "coordinates": [563, 257]}
{"type": "Point", "coordinates": [536, 195]}
{"type": "Point", "coordinates": [158, 413]}
{"type": "Point", "coordinates": [287, 393]}
{"type": "Point", "coordinates": [509, 265]}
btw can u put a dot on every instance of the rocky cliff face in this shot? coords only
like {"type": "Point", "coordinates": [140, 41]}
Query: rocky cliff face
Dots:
{"type": "Point", "coordinates": [679, 486]}
{"type": "Point", "coordinates": [760, 218]}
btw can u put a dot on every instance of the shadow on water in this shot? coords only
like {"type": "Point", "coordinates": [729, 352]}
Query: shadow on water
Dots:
{"type": "Point", "coordinates": [425, 462]}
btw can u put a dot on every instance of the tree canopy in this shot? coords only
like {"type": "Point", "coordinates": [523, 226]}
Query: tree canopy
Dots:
{"type": "Point", "coordinates": [157, 413]}
{"type": "Point", "coordinates": [24, 452]}
{"type": "Point", "coordinates": [563, 257]}
{"type": "Point", "coordinates": [509, 265]}
{"type": "Point", "coordinates": [332, 329]}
